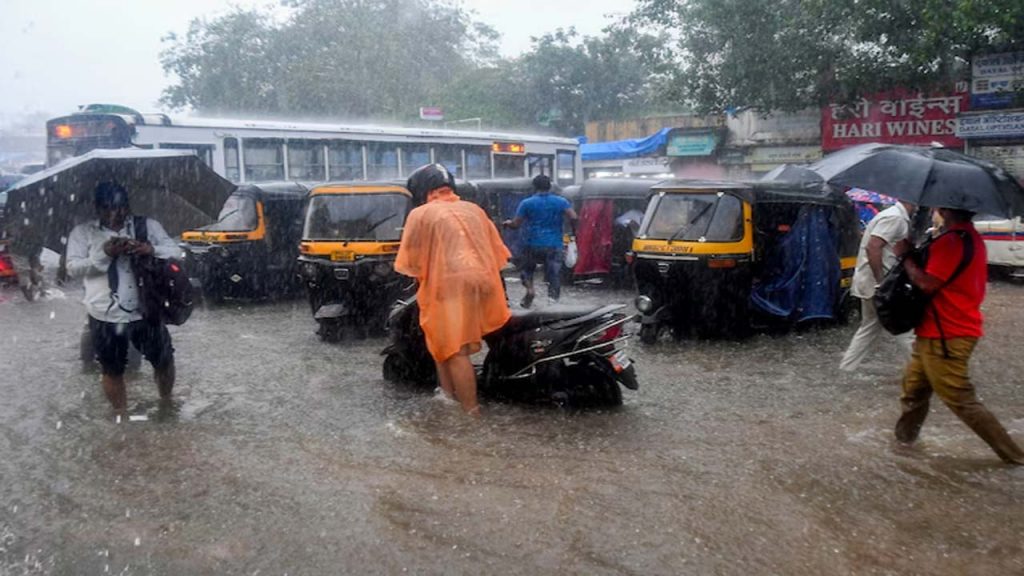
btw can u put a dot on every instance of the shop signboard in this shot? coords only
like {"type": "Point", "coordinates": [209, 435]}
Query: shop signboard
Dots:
{"type": "Point", "coordinates": [433, 113]}
{"type": "Point", "coordinates": [991, 125]}
{"type": "Point", "coordinates": [648, 165]}
{"type": "Point", "coordinates": [692, 144]}
{"type": "Point", "coordinates": [894, 118]}
{"type": "Point", "coordinates": [765, 158]}
{"type": "Point", "coordinates": [996, 79]}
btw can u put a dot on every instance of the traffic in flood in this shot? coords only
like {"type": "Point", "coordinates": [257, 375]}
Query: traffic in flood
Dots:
{"type": "Point", "coordinates": [285, 454]}
{"type": "Point", "coordinates": [475, 287]}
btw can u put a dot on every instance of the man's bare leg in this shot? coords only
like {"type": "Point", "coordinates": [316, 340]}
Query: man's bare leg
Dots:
{"type": "Point", "coordinates": [463, 376]}
{"type": "Point", "coordinates": [165, 380]}
{"type": "Point", "coordinates": [113, 387]}
{"type": "Point", "coordinates": [444, 379]}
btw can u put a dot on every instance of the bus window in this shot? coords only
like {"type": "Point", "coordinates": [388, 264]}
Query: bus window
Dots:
{"type": "Point", "coordinates": [566, 167]}
{"type": "Point", "coordinates": [478, 163]}
{"type": "Point", "coordinates": [506, 166]}
{"type": "Point", "coordinates": [345, 160]}
{"type": "Point", "coordinates": [450, 157]}
{"type": "Point", "coordinates": [540, 164]}
{"type": "Point", "coordinates": [231, 160]}
{"type": "Point", "coordinates": [381, 161]}
{"type": "Point", "coordinates": [204, 151]}
{"type": "Point", "coordinates": [305, 160]}
{"type": "Point", "coordinates": [414, 156]}
{"type": "Point", "coordinates": [264, 160]}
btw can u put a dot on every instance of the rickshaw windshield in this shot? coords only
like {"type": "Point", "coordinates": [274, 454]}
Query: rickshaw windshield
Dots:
{"type": "Point", "coordinates": [237, 215]}
{"type": "Point", "coordinates": [692, 217]}
{"type": "Point", "coordinates": [367, 217]}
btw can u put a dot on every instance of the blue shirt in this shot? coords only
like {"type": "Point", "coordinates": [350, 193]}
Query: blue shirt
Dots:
{"type": "Point", "coordinates": [543, 215]}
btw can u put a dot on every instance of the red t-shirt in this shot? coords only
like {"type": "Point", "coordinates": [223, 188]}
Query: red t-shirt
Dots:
{"type": "Point", "coordinates": [958, 303]}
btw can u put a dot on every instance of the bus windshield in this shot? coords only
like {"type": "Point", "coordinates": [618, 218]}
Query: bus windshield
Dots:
{"type": "Point", "coordinates": [696, 217]}
{"type": "Point", "coordinates": [238, 215]}
{"type": "Point", "coordinates": [361, 216]}
{"type": "Point", "coordinates": [74, 135]}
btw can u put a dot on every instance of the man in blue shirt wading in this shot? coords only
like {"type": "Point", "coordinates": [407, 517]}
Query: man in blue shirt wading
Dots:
{"type": "Point", "coordinates": [542, 213]}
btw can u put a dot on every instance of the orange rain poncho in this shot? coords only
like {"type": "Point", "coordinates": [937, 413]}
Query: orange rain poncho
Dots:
{"type": "Point", "coordinates": [453, 249]}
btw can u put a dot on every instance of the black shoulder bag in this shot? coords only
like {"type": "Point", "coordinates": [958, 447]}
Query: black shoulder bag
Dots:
{"type": "Point", "coordinates": [165, 291]}
{"type": "Point", "coordinates": [900, 304]}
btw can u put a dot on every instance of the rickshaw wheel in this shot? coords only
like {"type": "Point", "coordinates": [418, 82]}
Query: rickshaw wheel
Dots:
{"type": "Point", "coordinates": [330, 331]}
{"type": "Point", "coordinates": [849, 311]}
{"type": "Point", "coordinates": [649, 333]}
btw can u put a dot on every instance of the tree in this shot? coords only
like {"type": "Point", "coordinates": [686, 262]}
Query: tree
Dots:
{"type": "Point", "coordinates": [564, 81]}
{"type": "Point", "coordinates": [350, 58]}
{"type": "Point", "coordinates": [791, 54]}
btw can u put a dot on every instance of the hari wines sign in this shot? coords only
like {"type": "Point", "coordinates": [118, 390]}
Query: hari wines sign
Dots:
{"type": "Point", "coordinates": [896, 118]}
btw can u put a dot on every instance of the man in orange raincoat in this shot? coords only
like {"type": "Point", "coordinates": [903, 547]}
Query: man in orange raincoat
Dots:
{"type": "Point", "coordinates": [455, 253]}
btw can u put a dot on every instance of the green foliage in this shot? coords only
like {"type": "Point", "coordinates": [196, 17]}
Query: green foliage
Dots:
{"type": "Point", "coordinates": [564, 81]}
{"type": "Point", "coordinates": [342, 58]}
{"type": "Point", "coordinates": [385, 58]}
{"type": "Point", "coordinates": [790, 54]}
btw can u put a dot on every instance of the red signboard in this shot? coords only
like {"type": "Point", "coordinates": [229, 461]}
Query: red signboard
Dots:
{"type": "Point", "coordinates": [893, 118]}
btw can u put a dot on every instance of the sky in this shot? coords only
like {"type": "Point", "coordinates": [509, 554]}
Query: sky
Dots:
{"type": "Point", "coordinates": [58, 54]}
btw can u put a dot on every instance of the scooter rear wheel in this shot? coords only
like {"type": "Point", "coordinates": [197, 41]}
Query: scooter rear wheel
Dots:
{"type": "Point", "coordinates": [593, 385]}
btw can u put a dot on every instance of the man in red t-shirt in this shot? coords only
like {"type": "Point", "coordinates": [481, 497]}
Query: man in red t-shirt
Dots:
{"type": "Point", "coordinates": [946, 337]}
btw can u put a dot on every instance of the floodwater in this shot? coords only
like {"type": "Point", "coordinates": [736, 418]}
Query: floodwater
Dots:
{"type": "Point", "coordinates": [285, 455]}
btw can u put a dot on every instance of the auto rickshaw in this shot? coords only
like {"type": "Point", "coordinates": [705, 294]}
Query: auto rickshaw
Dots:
{"type": "Point", "coordinates": [347, 254]}
{"type": "Point", "coordinates": [251, 250]}
{"type": "Point", "coordinates": [610, 215]}
{"type": "Point", "coordinates": [722, 257]}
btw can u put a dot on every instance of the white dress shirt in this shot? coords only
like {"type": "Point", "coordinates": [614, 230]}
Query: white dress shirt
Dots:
{"type": "Point", "coordinates": [86, 259]}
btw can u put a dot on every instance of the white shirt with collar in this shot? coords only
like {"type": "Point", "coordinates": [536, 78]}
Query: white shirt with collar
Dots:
{"type": "Point", "coordinates": [891, 225]}
{"type": "Point", "coordinates": [86, 259]}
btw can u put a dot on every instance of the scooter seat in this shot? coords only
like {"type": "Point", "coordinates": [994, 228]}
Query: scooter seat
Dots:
{"type": "Point", "coordinates": [529, 319]}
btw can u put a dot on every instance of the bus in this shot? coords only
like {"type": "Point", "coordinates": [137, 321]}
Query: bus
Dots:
{"type": "Point", "coordinates": [245, 151]}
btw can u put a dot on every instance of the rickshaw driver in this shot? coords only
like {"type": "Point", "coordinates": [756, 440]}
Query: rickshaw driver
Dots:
{"type": "Point", "coordinates": [542, 213]}
{"type": "Point", "coordinates": [455, 253]}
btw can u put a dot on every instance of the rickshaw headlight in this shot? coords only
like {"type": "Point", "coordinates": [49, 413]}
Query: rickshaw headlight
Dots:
{"type": "Point", "coordinates": [309, 270]}
{"type": "Point", "coordinates": [644, 304]}
{"type": "Point", "coordinates": [383, 268]}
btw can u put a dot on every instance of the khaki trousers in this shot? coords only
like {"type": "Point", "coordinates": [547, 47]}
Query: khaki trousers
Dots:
{"type": "Point", "coordinates": [929, 370]}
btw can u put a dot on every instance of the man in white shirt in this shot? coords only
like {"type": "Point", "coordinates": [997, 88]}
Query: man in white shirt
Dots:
{"type": "Point", "coordinates": [874, 259]}
{"type": "Point", "coordinates": [100, 251]}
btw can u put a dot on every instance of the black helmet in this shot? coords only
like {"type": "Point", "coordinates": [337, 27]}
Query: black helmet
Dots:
{"type": "Point", "coordinates": [542, 182]}
{"type": "Point", "coordinates": [108, 195]}
{"type": "Point", "coordinates": [426, 179]}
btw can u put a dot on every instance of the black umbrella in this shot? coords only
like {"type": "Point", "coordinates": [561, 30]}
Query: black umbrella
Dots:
{"type": "Point", "coordinates": [173, 187]}
{"type": "Point", "coordinates": [933, 177]}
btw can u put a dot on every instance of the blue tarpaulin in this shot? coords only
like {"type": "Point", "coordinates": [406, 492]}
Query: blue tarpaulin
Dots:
{"type": "Point", "coordinates": [802, 270]}
{"type": "Point", "coordinates": [632, 148]}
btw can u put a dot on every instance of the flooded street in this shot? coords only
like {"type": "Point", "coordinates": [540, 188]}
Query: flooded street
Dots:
{"type": "Point", "coordinates": [286, 455]}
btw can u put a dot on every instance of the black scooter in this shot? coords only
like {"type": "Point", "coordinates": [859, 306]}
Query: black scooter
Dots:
{"type": "Point", "coordinates": [568, 355]}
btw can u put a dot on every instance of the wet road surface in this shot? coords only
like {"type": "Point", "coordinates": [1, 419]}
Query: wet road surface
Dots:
{"type": "Point", "coordinates": [283, 455]}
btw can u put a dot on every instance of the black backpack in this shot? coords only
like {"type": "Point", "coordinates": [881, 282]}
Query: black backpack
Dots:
{"type": "Point", "coordinates": [165, 291]}
{"type": "Point", "coordinates": [900, 304]}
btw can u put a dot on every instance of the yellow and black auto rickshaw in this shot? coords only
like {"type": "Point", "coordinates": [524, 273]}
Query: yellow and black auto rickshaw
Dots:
{"type": "Point", "coordinates": [251, 250]}
{"type": "Point", "coordinates": [346, 258]}
{"type": "Point", "coordinates": [718, 258]}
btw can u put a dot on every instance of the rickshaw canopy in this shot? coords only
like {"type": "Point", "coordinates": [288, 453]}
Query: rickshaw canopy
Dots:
{"type": "Point", "coordinates": [617, 188]}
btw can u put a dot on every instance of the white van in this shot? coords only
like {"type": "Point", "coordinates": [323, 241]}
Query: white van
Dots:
{"type": "Point", "coordinates": [1004, 242]}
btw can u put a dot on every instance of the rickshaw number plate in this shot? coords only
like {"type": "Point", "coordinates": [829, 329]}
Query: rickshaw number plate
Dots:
{"type": "Point", "coordinates": [343, 256]}
{"type": "Point", "coordinates": [620, 361]}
